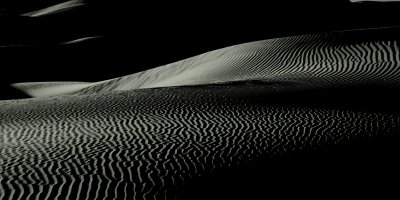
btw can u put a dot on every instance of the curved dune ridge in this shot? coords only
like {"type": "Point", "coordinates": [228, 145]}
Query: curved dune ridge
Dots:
{"type": "Point", "coordinates": [328, 59]}
{"type": "Point", "coordinates": [373, 0]}
{"type": "Point", "coordinates": [58, 8]}
{"type": "Point", "coordinates": [84, 39]}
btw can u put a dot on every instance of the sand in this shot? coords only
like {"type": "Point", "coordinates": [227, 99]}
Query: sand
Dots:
{"type": "Point", "coordinates": [324, 60]}
{"type": "Point", "coordinates": [298, 117]}
{"type": "Point", "coordinates": [58, 8]}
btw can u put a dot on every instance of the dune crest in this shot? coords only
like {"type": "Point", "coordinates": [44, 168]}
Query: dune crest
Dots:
{"type": "Point", "coordinates": [323, 60]}
{"type": "Point", "coordinates": [83, 39]}
{"type": "Point", "coordinates": [375, 0]}
{"type": "Point", "coordinates": [62, 7]}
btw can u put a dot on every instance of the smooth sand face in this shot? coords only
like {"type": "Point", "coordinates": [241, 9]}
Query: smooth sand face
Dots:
{"type": "Point", "coordinates": [47, 89]}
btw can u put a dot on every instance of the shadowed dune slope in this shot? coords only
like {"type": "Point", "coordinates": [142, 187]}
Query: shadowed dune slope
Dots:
{"type": "Point", "coordinates": [323, 60]}
{"type": "Point", "coordinates": [9, 92]}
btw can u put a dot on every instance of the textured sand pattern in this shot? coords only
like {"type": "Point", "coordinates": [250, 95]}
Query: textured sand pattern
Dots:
{"type": "Point", "coordinates": [142, 137]}
{"type": "Point", "coordinates": [145, 144]}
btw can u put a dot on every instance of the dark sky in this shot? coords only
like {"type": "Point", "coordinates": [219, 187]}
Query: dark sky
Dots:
{"type": "Point", "coordinates": [138, 36]}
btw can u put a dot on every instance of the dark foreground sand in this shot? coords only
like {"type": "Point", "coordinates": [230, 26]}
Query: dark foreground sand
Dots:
{"type": "Point", "coordinates": [226, 141]}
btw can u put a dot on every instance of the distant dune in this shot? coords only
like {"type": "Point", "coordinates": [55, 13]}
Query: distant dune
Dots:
{"type": "Point", "coordinates": [375, 0]}
{"type": "Point", "coordinates": [323, 60]}
{"type": "Point", "coordinates": [58, 8]}
{"type": "Point", "coordinates": [83, 39]}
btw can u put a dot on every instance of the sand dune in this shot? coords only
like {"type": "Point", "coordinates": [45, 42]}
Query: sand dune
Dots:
{"type": "Point", "coordinates": [375, 0]}
{"type": "Point", "coordinates": [242, 107]}
{"type": "Point", "coordinates": [331, 58]}
{"type": "Point", "coordinates": [83, 39]}
{"type": "Point", "coordinates": [323, 60]}
{"type": "Point", "coordinates": [58, 8]}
